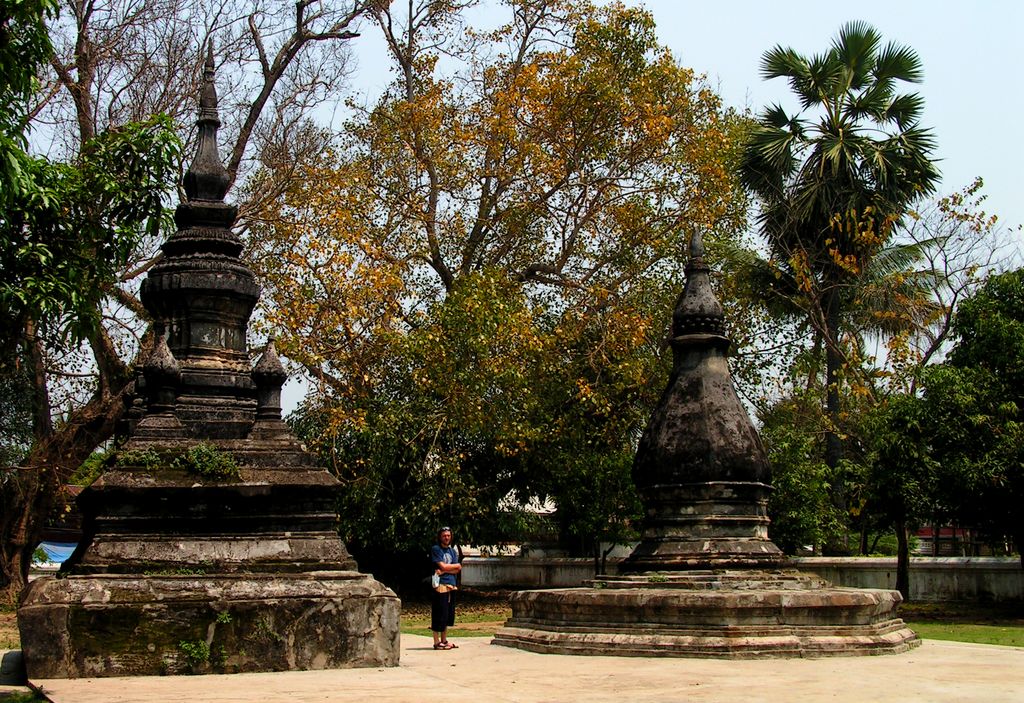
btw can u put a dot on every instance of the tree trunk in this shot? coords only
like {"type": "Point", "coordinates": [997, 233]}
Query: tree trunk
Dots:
{"type": "Point", "coordinates": [42, 423]}
{"type": "Point", "coordinates": [34, 490]}
{"type": "Point", "coordinates": [902, 560]}
{"type": "Point", "coordinates": [833, 442]}
{"type": "Point", "coordinates": [28, 495]}
{"type": "Point", "coordinates": [833, 363]}
{"type": "Point", "coordinates": [604, 558]}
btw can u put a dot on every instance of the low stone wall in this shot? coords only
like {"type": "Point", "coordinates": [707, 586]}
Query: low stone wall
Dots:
{"type": "Point", "coordinates": [931, 579]}
{"type": "Point", "coordinates": [528, 572]}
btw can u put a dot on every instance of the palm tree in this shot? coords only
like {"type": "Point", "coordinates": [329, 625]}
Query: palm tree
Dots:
{"type": "Point", "coordinates": [834, 178]}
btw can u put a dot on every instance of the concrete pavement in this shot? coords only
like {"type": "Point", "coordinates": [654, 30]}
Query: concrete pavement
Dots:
{"type": "Point", "coordinates": [477, 671]}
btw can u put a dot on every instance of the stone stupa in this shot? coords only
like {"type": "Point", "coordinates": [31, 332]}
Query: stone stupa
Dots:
{"type": "Point", "coordinates": [210, 542]}
{"type": "Point", "coordinates": [705, 580]}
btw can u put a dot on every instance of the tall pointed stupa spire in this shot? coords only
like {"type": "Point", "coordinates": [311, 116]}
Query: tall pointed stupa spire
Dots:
{"type": "Point", "coordinates": [700, 468]}
{"type": "Point", "coordinates": [697, 309]}
{"type": "Point", "coordinates": [202, 293]}
{"type": "Point", "coordinates": [206, 178]}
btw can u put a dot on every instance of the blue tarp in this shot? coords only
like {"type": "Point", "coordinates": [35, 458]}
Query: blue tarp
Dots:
{"type": "Point", "coordinates": [58, 552]}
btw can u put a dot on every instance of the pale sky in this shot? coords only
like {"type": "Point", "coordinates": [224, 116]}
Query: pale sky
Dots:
{"type": "Point", "coordinates": [972, 54]}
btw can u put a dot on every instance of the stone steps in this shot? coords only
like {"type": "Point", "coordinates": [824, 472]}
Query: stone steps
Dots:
{"type": "Point", "coordinates": [707, 645]}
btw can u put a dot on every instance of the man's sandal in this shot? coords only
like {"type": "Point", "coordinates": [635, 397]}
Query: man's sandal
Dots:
{"type": "Point", "coordinates": [443, 645]}
{"type": "Point", "coordinates": [449, 645]}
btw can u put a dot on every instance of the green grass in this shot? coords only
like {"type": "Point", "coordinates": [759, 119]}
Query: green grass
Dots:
{"type": "Point", "coordinates": [1008, 635]}
{"type": "Point", "coordinates": [467, 625]}
{"type": "Point", "coordinates": [20, 697]}
{"type": "Point", "coordinates": [980, 623]}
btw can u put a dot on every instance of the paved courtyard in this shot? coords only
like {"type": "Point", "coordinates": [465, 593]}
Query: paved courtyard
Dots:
{"type": "Point", "coordinates": [478, 671]}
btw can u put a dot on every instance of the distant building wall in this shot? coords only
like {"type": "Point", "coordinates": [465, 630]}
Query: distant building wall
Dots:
{"type": "Point", "coordinates": [931, 579]}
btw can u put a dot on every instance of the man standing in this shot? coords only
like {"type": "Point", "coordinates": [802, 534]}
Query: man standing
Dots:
{"type": "Point", "coordinates": [446, 566]}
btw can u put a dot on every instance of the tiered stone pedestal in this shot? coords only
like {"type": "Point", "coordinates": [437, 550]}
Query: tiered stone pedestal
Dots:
{"type": "Point", "coordinates": [729, 614]}
{"type": "Point", "coordinates": [177, 576]}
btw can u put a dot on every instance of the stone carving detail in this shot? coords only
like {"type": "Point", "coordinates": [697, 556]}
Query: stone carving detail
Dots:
{"type": "Point", "coordinates": [162, 375]}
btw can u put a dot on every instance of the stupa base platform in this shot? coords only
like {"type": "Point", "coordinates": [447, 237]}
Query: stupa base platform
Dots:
{"type": "Point", "coordinates": [708, 614]}
{"type": "Point", "coordinates": [133, 625]}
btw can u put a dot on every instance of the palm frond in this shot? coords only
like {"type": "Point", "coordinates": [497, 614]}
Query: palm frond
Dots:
{"type": "Point", "coordinates": [768, 158]}
{"type": "Point", "coordinates": [894, 304]}
{"type": "Point", "coordinates": [904, 110]}
{"type": "Point", "coordinates": [772, 284]}
{"type": "Point", "coordinates": [898, 62]}
{"type": "Point", "coordinates": [872, 102]}
{"type": "Point", "coordinates": [917, 140]}
{"type": "Point", "coordinates": [776, 116]}
{"type": "Point", "coordinates": [782, 62]}
{"type": "Point", "coordinates": [824, 75]}
{"type": "Point", "coordinates": [855, 48]}
{"type": "Point", "coordinates": [897, 258]}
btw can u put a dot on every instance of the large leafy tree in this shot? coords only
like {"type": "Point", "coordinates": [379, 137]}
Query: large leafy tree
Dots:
{"type": "Point", "coordinates": [903, 474]}
{"type": "Point", "coordinates": [907, 299]}
{"type": "Point", "coordinates": [987, 355]}
{"type": "Point", "coordinates": [954, 452]}
{"type": "Point", "coordinates": [480, 278]}
{"type": "Point", "coordinates": [24, 45]}
{"type": "Point", "coordinates": [833, 179]}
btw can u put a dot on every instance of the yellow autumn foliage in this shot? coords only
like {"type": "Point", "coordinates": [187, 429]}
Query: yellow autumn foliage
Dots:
{"type": "Point", "coordinates": [489, 256]}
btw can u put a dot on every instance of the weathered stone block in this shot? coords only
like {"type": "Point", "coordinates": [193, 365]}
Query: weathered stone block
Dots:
{"type": "Point", "coordinates": [122, 625]}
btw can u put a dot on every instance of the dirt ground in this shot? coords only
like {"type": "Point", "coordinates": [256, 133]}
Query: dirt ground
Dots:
{"type": "Point", "coordinates": [9, 638]}
{"type": "Point", "coordinates": [1011, 613]}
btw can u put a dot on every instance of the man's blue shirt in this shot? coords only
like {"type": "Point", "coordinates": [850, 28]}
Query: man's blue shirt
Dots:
{"type": "Point", "coordinates": [444, 555]}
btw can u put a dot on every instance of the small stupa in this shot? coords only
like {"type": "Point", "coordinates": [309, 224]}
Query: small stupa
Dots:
{"type": "Point", "coordinates": [705, 580]}
{"type": "Point", "coordinates": [210, 543]}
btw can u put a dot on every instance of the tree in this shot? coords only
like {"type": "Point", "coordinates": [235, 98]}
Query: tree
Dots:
{"type": "Point", "coordinates": [955, 451]}
{"type": "Point", "coordinates": [480, 277]}
{"type": "Point", "coordinates": [989, 329]}
{"type": "Point", "coordinates": [906, 301]}
{"type": "Point", "coordinates": [833, 184]}
{"type": "Point", "coordinates": [986, 365]}
{"type": "Point", "coordinates": [903, 473]}
{"type": "Point", "coordinates": [62, 242]}
{"type": "Point", "coordinates": [956, 244]}
{"type": "Point", "coordinates": [800, 506]}
{"type": "Point", "coordinates": [123, 61]}
{"type": "Point", "coordinates": [114, 63]}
